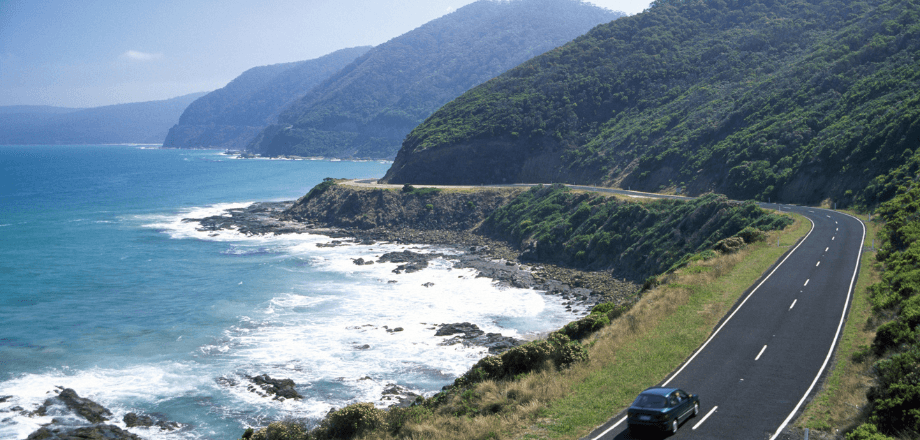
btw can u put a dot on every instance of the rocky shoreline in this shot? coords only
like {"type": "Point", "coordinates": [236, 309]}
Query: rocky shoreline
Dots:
{"type": "Point", "coordinates": [490, 258]}
{"type": "Point", "coordinates": [78, 418]}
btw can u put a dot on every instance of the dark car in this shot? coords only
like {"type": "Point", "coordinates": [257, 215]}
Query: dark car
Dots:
{"type": "Point", "coordinates": [662, 408]}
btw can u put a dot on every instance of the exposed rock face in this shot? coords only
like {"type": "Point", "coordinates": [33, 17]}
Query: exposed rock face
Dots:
{"type": "Point", "coordinates": [89, 410]}
{"type": "Point", "coordinates": [97, 432]}
{"type": "Point", "coordinates": [413, 261]}
{"type": "Point", "coordinates": [401, 396]}
{"type": "Point", "coordinates": [470, 334]}
{"type": "Point", "coordinates": [132, 420]}
{"type": "Point", "coordinates": [256, 219]}
{"type": "Point", "coordinates": [346, 207]}
{"type": "Point", "coordinates": [62, 428]}
{"type": "Point", "coordinates": [280, 388]}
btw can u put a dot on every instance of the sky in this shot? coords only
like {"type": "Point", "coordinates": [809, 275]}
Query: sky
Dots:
{"type": "Point", "coordinates": [91, 53]}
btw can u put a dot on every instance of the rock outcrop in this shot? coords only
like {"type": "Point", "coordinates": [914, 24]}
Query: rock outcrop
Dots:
{"type": "Point", "coordinates": [279, 388]}
{"type": "Point", "coordinates": [471, 335]}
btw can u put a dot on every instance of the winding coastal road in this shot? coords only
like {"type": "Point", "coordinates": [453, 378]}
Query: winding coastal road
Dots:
{"type": "Point", "coordinates": [768, 355]}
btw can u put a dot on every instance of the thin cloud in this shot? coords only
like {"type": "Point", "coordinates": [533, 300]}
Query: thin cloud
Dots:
{"type": "Point", "coordinates": [141, 56]}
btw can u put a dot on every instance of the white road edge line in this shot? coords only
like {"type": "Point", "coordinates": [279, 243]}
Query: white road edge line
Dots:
{"type": "Point", "coordinates": [793, 304]}
{"type": "Point", "coordinates": [762, 350]}
{"type": "Point", "coordinates": [700, 350]}
{"type": "Point", "coordinates": [611, 428]}
{"type": "Point", "coordinates": [830, 351]}
{"type": "Point", "coordinates": [704, 418]}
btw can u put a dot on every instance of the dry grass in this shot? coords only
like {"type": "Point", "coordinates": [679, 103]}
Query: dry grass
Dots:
{"type": "Point", "coordinates": [635, 351]}
{"type": "Point", "coordinates": [839, 405]}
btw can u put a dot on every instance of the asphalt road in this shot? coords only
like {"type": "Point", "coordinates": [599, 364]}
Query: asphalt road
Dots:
{"type": "Point", "coordinates": [767, 356]}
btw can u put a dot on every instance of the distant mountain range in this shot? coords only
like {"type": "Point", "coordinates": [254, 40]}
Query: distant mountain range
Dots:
{"type": "Point", "coordinates": [232, 116]}
{"type": "Point", "coordinates": [366, 109]}
{"type": "Point", "coordinates": [804, 101]}
{"type": "Point", "coordinates": [140, 122]}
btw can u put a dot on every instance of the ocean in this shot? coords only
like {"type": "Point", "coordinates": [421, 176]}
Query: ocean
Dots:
{"type": "Point", "coordinates": [105, 289]}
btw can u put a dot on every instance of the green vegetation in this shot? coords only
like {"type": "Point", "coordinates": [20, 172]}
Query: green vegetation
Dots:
{"type": "Point", "coordinates": [635, 240]}
{"type": "Point", "coordinates": [367, 108]}
{"type": "Point", "coordinates": [409, 189]}
{"type": "Point", "coordinates": [796, 100]}
{"type": "Point", "coordinates": [230, 117]}
{"type": "Point", "coordinates": [895, 399]}
{"type": "Point", "coordinates": [318, 190]}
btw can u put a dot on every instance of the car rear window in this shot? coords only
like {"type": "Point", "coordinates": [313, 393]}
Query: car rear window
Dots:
{"type": "Point", "coordinates": [650, 401]}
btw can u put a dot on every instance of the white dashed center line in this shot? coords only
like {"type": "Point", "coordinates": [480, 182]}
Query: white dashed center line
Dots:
{"type": "Point", "coordinates": [806, 281]}
{"type": "Point", "coordinates": [761, 352]}
{"type": "Point", "coordinates": [793, 304]}
{"type": "Point", "coordinates": [819, 263]}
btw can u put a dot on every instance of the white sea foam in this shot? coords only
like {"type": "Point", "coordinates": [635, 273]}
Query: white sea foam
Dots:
{"type": "Point", "coordinates": [118, 389]}
{"type": "Point", "coordinates": [342, 331]}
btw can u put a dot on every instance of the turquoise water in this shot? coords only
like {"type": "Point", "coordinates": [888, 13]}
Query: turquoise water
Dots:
{"type": "Point", "coordinates": [104, 289]}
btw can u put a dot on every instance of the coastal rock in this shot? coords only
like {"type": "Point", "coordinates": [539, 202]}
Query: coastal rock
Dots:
{"type": "Point", "coordinates": [280, 388]}
{"type": "Point", "coordinates": [95, 432]}
{"type": "Point", "coordinates": [399, 396]}
{"type": "Point", "coordinates": [86, 408]}
{"type": "Point", "coordinates": [256, 219]}
{"type": "Point", "coordinates": [414, 261]}
{"type": "Point", "coordinates": [471, 335]}
{"type": "Point", "coordinates": [362, 262]}
{"type": "Point", "coordinates": [133, 420]}
{"type": "Point", "coordinates": [467, 329]}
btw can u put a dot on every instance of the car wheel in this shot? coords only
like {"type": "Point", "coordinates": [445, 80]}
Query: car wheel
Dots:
{"type": "Point", "coordinates": [674, 426]}
{"type": "Point", "coordinates": [696, 409]}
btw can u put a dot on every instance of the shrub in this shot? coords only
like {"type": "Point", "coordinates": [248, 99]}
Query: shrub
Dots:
{"type": "Point", "coordinates": [611, 310]}
{"type": "Point", "coordinates": [867, 431]}
{"type": "Point", "coordinates": [897, 397]}
{"type": "Point", "coordinates": [752, 235]}
{"type": "Point", "coordinates": [585, 326]}
{"type": "Point", "coordinates": [287, 430]}
{"type": "Point", "coordinates": [558, 349]}
{"type": "Point", "coordinates": [351, 421]}
{"type": "Point", "coordinates": [396, 417]}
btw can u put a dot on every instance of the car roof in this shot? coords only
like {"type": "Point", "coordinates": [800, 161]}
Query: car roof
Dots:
{"type": "Point", "coordinates": [659, 391]}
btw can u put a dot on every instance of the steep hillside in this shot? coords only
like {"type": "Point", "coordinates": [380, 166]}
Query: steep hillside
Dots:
{"type": "Point", "coordinates": [793, 100]}
{"type": "Point", "coordinates": [232, 116]}
{"type": "Point", "coordinates": [367, 109]}
{"type": "Point", "coordinates": [139, 122]}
